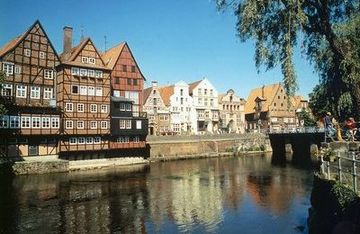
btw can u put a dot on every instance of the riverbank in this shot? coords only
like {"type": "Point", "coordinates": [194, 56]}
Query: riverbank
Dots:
{"type": "Point", "coordinates": [166, 148]}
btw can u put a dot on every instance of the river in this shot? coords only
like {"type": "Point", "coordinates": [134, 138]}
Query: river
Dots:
{"type": "Point", "coordinates": [244, 194]}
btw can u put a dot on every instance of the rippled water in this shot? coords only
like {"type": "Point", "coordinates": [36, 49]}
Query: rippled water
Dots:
{"type": "Point", "coordinates": [223, 195]}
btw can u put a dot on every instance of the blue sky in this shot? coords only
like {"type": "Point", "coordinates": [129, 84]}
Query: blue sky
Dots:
{"type": "Point", "coordinates": [171, 40]}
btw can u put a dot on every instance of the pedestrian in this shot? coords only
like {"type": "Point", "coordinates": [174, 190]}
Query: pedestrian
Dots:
{"type": "Point", "coordinates": [329, 128]}
{"type": "Point", "coordinates": [350, 124]}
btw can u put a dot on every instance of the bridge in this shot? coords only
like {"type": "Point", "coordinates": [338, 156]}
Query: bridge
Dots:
{"type": "Point", "coordinates": [300, 139]}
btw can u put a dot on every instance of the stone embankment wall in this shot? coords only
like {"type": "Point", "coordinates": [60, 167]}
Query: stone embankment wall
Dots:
{"type": "Point", "coordinates": [335, 208]}
{"type": "Point", "coordinates": [201, 146]}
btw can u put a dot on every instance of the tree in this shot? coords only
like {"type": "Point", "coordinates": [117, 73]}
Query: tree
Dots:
{"type": "Point", "coordinates": [328, 31]}
{"type": "Point", "coordinates": [307, 118]}
{"type": "Point", "coordinates": [2, 106]}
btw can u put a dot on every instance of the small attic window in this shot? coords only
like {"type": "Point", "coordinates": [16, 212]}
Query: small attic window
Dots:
{"type": "Point", "coordinates": [92, 60]}
{"type": "Point", "coordinates": [84, 59]}
{"type": "Point", "coordinates": [132, 68]}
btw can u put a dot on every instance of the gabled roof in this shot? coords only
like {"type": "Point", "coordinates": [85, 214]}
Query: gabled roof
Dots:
{"type": "Point", "coordinates": [69, 58]}
{"type": "Point", "coordinates": [266, 93]}
{"type": "Point", "coordinates": [16, 41]}
{"type": "Point", "coordinates": [165, 93]}
{"type": "Point", "coordinates": [111, 56]}
{"type": "Point", "coordinates": [193, 85]}
{"type": "Point", "coordinates": [146, 93]}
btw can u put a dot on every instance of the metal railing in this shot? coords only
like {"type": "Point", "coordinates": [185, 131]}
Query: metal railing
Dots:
{"type": "Point", "coordinates": [344, 170]}
{"type": "Point", "coordinates": [298, 130]}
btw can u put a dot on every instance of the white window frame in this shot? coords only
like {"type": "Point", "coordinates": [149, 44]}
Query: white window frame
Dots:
{"type": "Point", "coordinates": [69, 107]}
{"type": "Point", "coordinates": [36, 122]}
{"type": "Point", "coordinates": [128, 124]}
{"type": "Point", "coordinates": [4, 120]}
{"type": "Point", "coordinates": [128, 107]}
{"type": "Point", "coordinates": [83, 90]}
{"type": "Point", "coordinates": [91, 60]}
{"type": "Point", "coordinates": [98, 91]}
{"type": "Point", "coordinates": [17, 69]}
{"type": "Point", "coordinates": [83, 72]}
{"type": "Point", "coordinates": [93, 124]}
{"type": "Point", "coordinates": [136, 139]}
{"type": "Point", "coordinates": [81, 140]}
{"type": "Point", "coordinates": [72, 141]}
{"type": "Point", "coordinates": [69, 124]}
{"type": "Point", "coordinates": [122, 124]}
{"type": "Point", "coordinates": [89, 140]}
{"type": "Point", "coordinates": [104, 124]}
{"type": "Point", "coordinates": [75, 71]}
{"type": "Point", "coordinates": [122, 106]}
{"type": "Point", "coordinates": [138, 124]}
{"type": "Point", "coordinates": [103, 108]}
{"type": "Point", "coordinates": [42, 54]}
{"type": "Point", "coordinates": [14, 122]}
{"type": "Point", "coordinates": [80, 107]}
{"type": "Point", "coordinates": [6, 87]}
{"type": "Point", "coordinates": [80, 124]}
{"type": "Point", "coordinates": [91, 73]}
{"type": "Point", "coordinates": [25, 122]}
{"type": "Point", "coordinates": [8, 68]}
{"type": "Point", "coordinates": [27, 52]}
{"type": "Point", "coordinates": [55, 122]}
{"type": "Point", "coordinates": [45, 122]}
{"type": "Point", "coordinates": [98, 74]}
{"type": "Point", "coordinates": [93, 108]}
{"type": "Point", "coordinates": [48, 74]}
{"type": "Point", "coordinates": [35, 92]}
{"type": "Point", "coordinates": [97, 139]}
{"type": "Point", "coordinates": [21, 89]}
{"type": "Point", "coordinates": [91, 91]}
{"type": "Point", "coordinates": [84, 59]}
{"type": "Point", "coordinates": [48, 93]}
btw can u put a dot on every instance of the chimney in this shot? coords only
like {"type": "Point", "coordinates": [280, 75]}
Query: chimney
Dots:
{"type": "Point", "coordinates": [154, 83]}
{"type": "Point", "coordinates": [67, 39]}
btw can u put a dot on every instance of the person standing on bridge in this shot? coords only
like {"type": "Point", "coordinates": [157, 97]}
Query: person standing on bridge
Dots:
{"type": "Point", "coordinates": [329, 128]}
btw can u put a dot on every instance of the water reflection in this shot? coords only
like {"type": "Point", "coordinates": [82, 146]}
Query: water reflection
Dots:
{"type": "Point", "coordinates": [244, 194]}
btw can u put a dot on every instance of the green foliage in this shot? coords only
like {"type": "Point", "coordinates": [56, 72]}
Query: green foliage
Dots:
{"type": "Point", "coordinates": [2, 107]}
{"type": "Point", "coordinates": [307, 118]}
{"type": "Point", "coordinates": [328, 33]}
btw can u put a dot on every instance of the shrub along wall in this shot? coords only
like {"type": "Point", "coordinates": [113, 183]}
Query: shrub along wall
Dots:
{"type": "Point", "coordinates": [335, 208]}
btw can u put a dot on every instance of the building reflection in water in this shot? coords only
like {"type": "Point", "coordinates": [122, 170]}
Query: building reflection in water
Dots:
{"type": "Point", "coordinates": [192, 195]}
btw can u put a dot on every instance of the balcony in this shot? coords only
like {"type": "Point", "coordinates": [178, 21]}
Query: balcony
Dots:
{"type": "Point", "coordinates": [139, 126]}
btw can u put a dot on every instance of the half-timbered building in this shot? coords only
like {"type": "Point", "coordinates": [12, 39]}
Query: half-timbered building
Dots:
{"type": "Point", "coordinates": [32, 122]}
{"type": "Point", "coordinates": [129, 125]}
{"type": "Point", "coordinates": [83, 94]}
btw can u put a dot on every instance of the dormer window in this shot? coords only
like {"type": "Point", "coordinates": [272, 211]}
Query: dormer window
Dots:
{"type": "Point", "coordinates": [84, 59]}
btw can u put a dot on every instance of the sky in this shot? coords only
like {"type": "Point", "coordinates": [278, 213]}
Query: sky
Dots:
{"type": "Point", "coordinates": [171, 40]}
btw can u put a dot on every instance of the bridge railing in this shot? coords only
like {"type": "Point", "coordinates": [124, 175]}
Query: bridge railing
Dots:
{"type": "Point", "coordinates": [298, 130]}
{"type": "Point", "coordinates": [345, 169]}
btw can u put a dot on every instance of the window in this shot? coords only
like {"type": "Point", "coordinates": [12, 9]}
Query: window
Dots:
{"type": "Point", "coordinates": [122, 123]}
{"type": "Point", "coordinates": [124, 68]}
{"type": "Point", "coordinates": [68, 107]}
{"type": "Point", "coordinates": [98, 91]}
{"type": "Point", "coordinates": [138, 124]}
{"type": "Point", "coordinates": [14, 121]}
{"type": "Point", "coordinates": [136, 139]}
{"type": "Point", "coordinates": [93, 108]}
{"type": "Point", "coordinates": [48, 74]}
{"type": "Point", "coordinates": [98, 74]}
{"type": "Point", "coordinates": [129, 81]}
{"type": "Point", "coordinates": [45, 122]}
{"type": "Point", "coordinates": [116, 93]}
{"type": "Point", "coordinates": [8, 68]}
{"type": "Point", "coordinates": [72, 140]}
{"type": "Point", "coordinates": [200, 101]}
{"type": "Point", "coordinates": [42, 55]}
{"type": "Point", "coordinates": [74, 89]}
{"type": "Point", "coordinates": [181, 101]}
{"type": "Point", "coordinates": [278, 97]}
{"type": "Point", "coordinates": [135, 82]}
{"type": "Point", "coordinates": [4, 121]}
{"type": "Point", "coordinates": [133, 96]}
{"type": "Point", "coordinates": [128, 107]}
{"type": "Point", "coordinates": [69, 124]}
{"type": "Point", "coordinates": [205, 91]}
{"type": "Point", "coordinates": [104, 124]}
{"type": "Point", "coordinates": [35, 122]}
{"type": "Point", "coordinates": [211, 92]}
{"type": "Point", "coordinates": [81, 140]}
{"type": "Point", "coordinates": [83, 72]}
{"type": "Point", "coordinates": [48, 93]}
{"type": "Point", "coordinates": [80, 107]}
{"type": "Point", "coordinates": [117, 80]}
{"type": "Point", "coordinates": [84, 59]}
{"type": "Point", "coordinates": [97, 139]}
{"type": "Point", "coordinates": [120, 140]}
{"type": "Point", "coordinates": [93, 125]}
{"type": "Point", "coordinates": [83, 90]}
{"type": "Point", "coordinates": [21, 91]}
{"type": "Point", "coordinates": [181, 92]}
{"type": "Point", "coordinates": [211, 102]}
{"type": "Point", "coordinates": [91, 90]}
{"type": "Point", "coordinates": [128, 124]}
{"type": "Point", "coordinates": [199, 91]}
{"type": "Point", "coordinates": [132, 68]}
{"type": "Point", "coordinates": [89, 140]}
{"type": "Point", "coordinates": [35, 93]}
{"type": "Point", "coordinates": [103, 109]}
{"type": "Point", "coordinates": [55, 122]}
{"type": "Point", "coordinates": [92, 60]}
{"type": "Point", "coordinates": [6, 90]}
{"type": "Point", "coordinates": [91, 73]}
{"type": "Point", "coordinates": [27, 52]}
{"type": "Point", "coordinates": [74, 71]}
{"type": "Point", "coordinates": [80, 124]}
{"type": "Point", "coordinates": [122, 106]}
{"type": "Point", "coordinates": [25, 122]}
{"type": "Point", "coordinates": [17, 69]}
